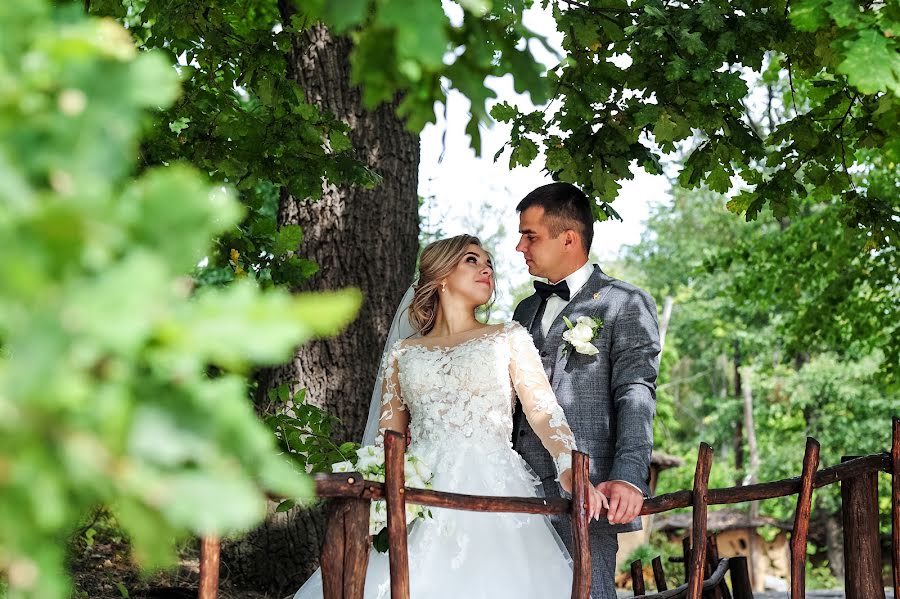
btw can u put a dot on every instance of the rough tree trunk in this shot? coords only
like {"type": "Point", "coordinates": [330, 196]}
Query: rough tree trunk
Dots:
{"type": "Point", "coordinates": [360, 238]}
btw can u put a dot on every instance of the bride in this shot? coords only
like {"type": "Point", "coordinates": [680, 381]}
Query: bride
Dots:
{"type": "Point", "coordinates": [452, 382]}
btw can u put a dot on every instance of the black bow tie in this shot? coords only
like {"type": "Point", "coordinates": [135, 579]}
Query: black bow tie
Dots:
{"type": "Point", "coordinates": [545, 290]}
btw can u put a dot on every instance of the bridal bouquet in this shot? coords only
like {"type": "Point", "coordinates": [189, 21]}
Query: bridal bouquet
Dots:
{"type": "Point", "coordinates": [369, 461]}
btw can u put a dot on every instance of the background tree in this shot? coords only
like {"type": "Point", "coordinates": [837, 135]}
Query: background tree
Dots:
{"type": "Point", "coordinates": [316, 103]}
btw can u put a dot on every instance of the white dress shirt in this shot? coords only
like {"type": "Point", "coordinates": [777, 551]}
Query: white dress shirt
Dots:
{"type": "Point", "coordinates": [556, 304]}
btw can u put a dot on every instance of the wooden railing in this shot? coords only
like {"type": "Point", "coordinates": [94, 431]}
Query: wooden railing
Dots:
{"type": "Point", "coordinates": [346, 548]}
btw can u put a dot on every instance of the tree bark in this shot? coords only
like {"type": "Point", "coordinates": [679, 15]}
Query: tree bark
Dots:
{"type": "Point", "coordinates": [359, 238]}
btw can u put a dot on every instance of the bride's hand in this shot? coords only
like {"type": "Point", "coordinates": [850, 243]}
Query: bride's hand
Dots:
{"type": "Point", "coordinates": [597, 502]}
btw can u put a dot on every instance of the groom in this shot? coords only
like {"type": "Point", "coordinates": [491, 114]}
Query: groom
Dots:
{"type": "Point", "coordinates": [607, 385]}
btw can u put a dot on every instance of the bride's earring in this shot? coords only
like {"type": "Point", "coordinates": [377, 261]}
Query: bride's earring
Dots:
{"type": "Point", "coordinates": [443, 287]}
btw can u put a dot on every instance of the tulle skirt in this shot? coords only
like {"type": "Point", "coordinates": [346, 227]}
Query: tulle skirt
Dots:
{"type": "Point", "coordinates": [475, 555]}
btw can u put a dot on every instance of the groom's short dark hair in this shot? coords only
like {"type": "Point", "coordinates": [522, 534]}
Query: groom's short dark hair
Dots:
{"type": "Point", "coordinates": [565, 207]}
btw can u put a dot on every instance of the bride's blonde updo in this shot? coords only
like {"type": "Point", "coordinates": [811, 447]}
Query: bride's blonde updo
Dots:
{"type": "Point", "coordinates": [437, 261]}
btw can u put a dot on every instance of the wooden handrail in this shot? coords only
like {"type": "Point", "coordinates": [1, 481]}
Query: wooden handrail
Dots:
{"type": "Point", "coordinates": [351, 486]}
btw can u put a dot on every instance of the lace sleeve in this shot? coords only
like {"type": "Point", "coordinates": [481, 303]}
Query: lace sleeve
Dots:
{"type": "Point", "coordinates": [539, 404]}
{"type": "Point", "coordinates": [394, 415]}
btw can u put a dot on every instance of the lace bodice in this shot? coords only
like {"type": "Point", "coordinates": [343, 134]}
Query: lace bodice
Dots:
{"type": "Point", "coordinates": [447, 394]}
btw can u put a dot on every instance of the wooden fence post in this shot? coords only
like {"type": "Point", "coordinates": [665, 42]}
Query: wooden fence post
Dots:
{"type": "Point", "coordinates": [345, 552]}
{"type": "Point", "coordinates": [699, 499]}
{"type": "Point", "coordinates": [659, 575]}
{"type": "Point", "coordinates": [637, 578]}
{"type": "Point", "coordinates": [395, 483]}
{"type": "Point", "coordinates": [581, 542]}
{"type": "Point", "coordinates": [741, 587]}
{"type": "Point", "coordinates": [800, 532]}
{"type": "Point", "coordinates": [332, 558]}
{"type": "Point", "coordinates": [356, 548]}
{"type": "Point", "coordinates": [720, 591]}
{"type": "Point", "coordinates": [862, 553]}
{"type": "Point", "coordinates": [209, 568]}
{"type": "Point", "coordinates": [895, 506]}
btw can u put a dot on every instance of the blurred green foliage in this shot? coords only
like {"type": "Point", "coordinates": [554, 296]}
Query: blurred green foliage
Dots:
{"type": "Point", "coordinates": [121, 383]}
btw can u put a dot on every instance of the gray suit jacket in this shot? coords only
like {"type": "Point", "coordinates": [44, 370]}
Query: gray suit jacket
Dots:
{"type": "Point", "coordinates": [609, 398]}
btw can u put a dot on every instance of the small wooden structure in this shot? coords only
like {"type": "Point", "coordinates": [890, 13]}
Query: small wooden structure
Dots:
{"type": "Point", "coordinates": [714, 585]}
{"type": "Point", "coordinates": [735, 533]}
{"type": "Point", "coordinates": [345, 554]}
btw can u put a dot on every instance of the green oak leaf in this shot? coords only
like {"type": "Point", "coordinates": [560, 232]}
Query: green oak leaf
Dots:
{"type": "Point", "coordinates": [809, 15]}
{"type": "Point", "coordinates": [503, 112]}
{"type": "Point", "coordinates": [287, 239]}
{"type": "Point", "coordinates": [872, 63]}
{"type": "Point", "coordinates": [719, 179]}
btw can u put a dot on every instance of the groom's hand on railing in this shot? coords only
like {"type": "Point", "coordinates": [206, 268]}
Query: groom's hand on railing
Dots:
{"type": "Point", "coordinates": [625, 501]}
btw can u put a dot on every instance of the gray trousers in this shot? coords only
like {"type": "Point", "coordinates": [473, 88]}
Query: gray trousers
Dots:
{"type": "Point", "coordinates": [604, 545]}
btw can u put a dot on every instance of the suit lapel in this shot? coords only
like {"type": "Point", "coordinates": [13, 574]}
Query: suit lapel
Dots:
{"type": "Point", "coordinates": [588, 299]}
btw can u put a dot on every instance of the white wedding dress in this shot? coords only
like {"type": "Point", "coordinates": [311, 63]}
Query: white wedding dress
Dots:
{"type": "Point", "coordinates": [458, 400]}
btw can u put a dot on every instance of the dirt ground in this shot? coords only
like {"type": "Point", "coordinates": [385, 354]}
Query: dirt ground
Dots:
{"type": "Point", "coordinates": [102, 568]}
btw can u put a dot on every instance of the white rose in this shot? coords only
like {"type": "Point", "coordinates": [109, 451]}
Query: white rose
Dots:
{"type": "Point", "coordinates": [588, 349]}
{"type": "Point", "coordinates": [587, 321]}
{"type": "Point", "coordinates": [369, 464]}
{"type": "Point", "coordinates": [579, 334]}
{"type": "Point", "coordinates": [371, 451]}
{"type": "Point", "coordinates": [343, 467]}
{"type": "Point", "coordinates": [409, 471]}
{"type": "Point", "coordinates": [377, 517]}
{"type": "Point", "coordinates": [423, 471]}
{"type": "Point", "coordinates": [371, 459]}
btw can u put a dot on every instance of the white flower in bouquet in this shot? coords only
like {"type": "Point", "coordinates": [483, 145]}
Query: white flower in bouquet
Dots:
{"type": "Point", "coordinates": [424, 472]}
{"type": "Point", "coordinates": [377, 517]}
{"type": "Point", "coordinates": [343, 467]}
{"type": "Point", "coordinates": [370, 464]}
{"type": "Point", "coordinates": [370, 458]}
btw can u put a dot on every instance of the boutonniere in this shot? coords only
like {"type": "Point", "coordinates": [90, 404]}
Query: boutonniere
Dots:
{"type": "Point", "coordinates": [582, 333]}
